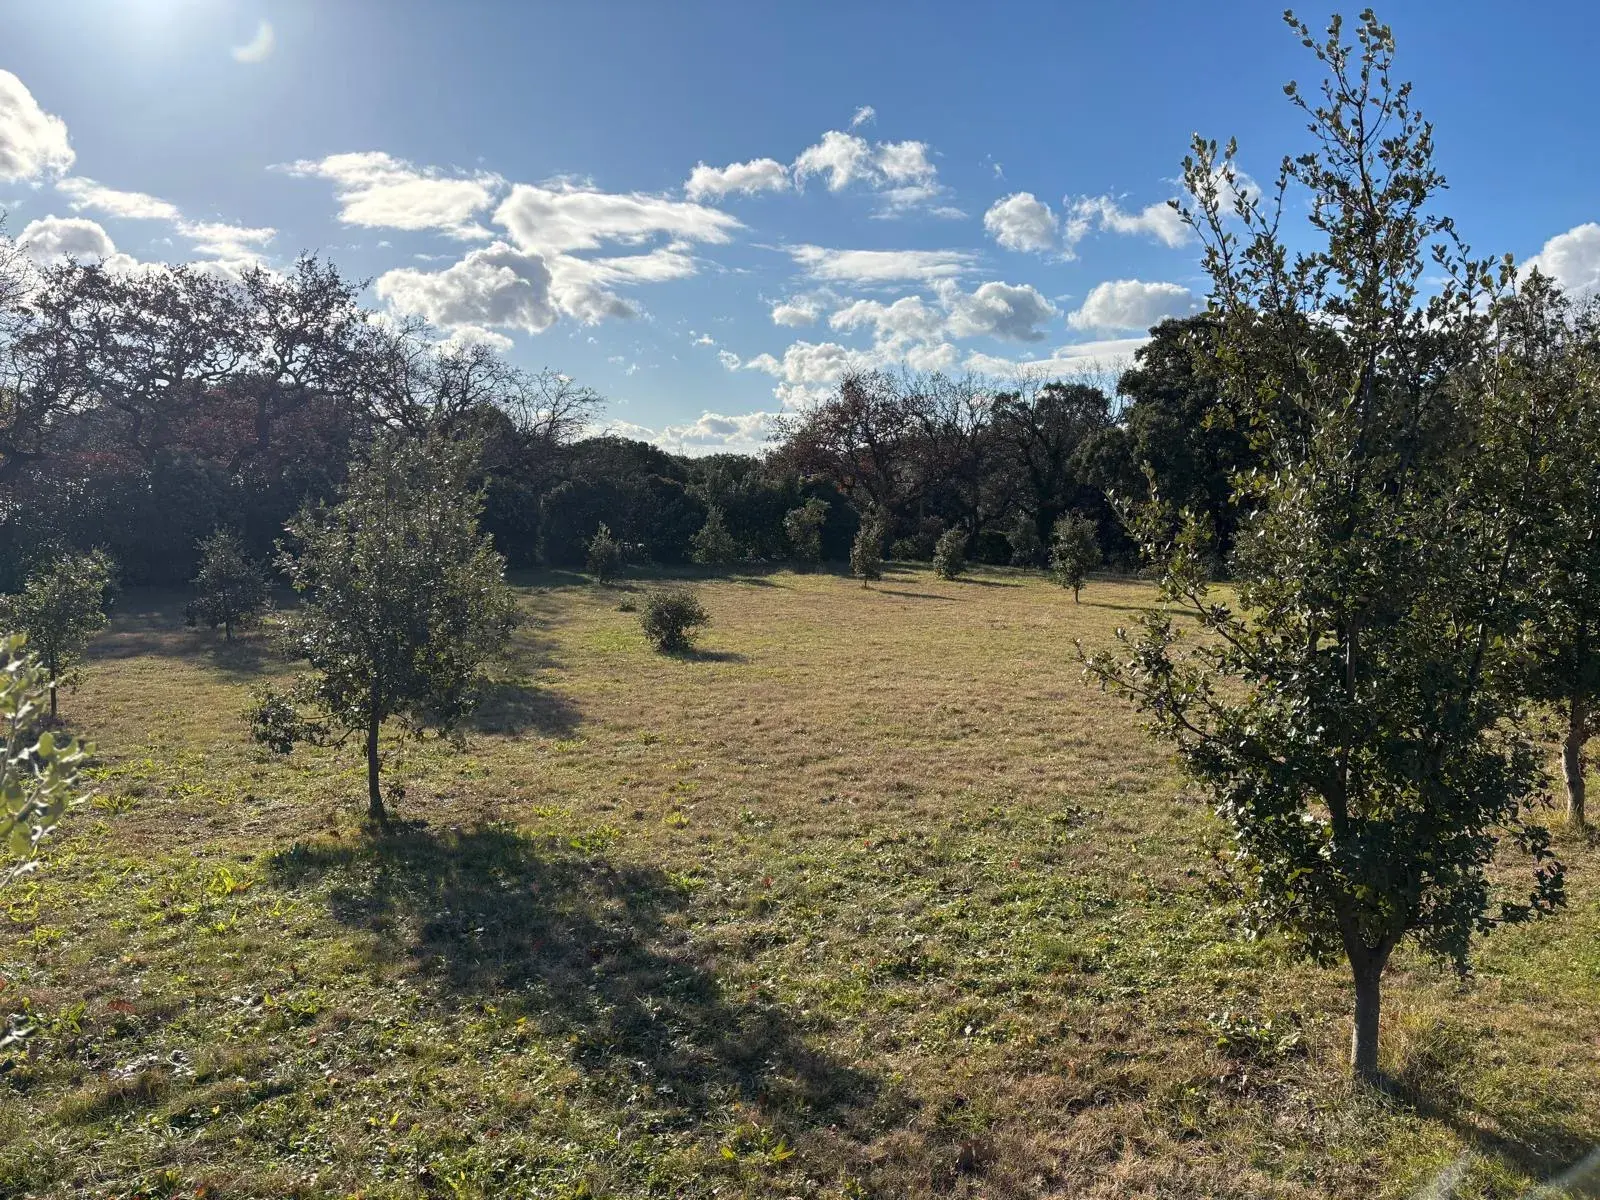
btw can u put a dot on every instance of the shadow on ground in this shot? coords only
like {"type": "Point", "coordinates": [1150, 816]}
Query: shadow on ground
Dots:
{"type": "Point", "coordinates": [517, 707]}
{"type": "Point", "coordinates": [586, 950]}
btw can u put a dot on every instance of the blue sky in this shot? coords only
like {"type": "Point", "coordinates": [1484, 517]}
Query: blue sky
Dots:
{"type": "Point", "coordinates": [953, 186]}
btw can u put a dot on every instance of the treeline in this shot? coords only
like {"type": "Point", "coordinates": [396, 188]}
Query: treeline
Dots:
{"type": "Point", "coordinates": [142, 411]}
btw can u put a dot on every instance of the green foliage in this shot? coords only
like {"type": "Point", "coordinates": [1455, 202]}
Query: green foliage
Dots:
{"type": "Point", "coordinates": [605, 555]}
{"type": "Point", "coordinates": [39, 777]}
{"type": "Point", "coordinates": [1074, 551]}
{"type": "Point", "coordinates": [1026, 548]}
{"type": "Point", "coordinates": [803, 526]}
{"type": "Point", "coordinates": [60, 608]}
{"type": "Point", "coordinates": [713, 545]}
{"type": "Point", "coordinates": [866, 552]}
{"type": "Point", "coordinates": [231, 589]}
{"type": "Point", "coordinates": [1547, 363]}
{"type": "Point", "coordinates": [1353, 713]}
{"type": "Point", "coordinates": [950, 554]}
{"type": "Point", "coordinates": [403, 600]}
{"type": "Point", "coordinates": [672, 617]}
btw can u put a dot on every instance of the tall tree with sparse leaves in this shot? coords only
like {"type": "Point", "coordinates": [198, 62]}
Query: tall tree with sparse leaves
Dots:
{"type": "Point", "coordinates": [1352, 711]}
{"type": "Point", "coordinates": [230, 589]}
{"type": "Point", "coordinates": [403, 602]}
{"type": "Point", "coordinates": [60, 608]}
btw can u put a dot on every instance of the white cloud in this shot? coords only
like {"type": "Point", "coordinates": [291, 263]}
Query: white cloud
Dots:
{"type": "Point", "coordinates": [32, 141]}
{"type": "Point", "coordinates": [1572, 259]}
{"type": "Point", "coordinates": [85, 193]}
{"type": "Point", "coordinates": [257, 48]}
{"type": "Point", "coordinates": [222, 240]}
{"type": "Point", "coordinates": [463, 336]}
{"type": "Point", "coordinates": [797, 311]}
{"type": "Point", "coordinates": [728, 359]}
{"type": "Point", "coordinates": [1160, 221]}
{"type": "Point", "coordinates": [376, 190]}
{"type": "Point", "coordinates": [1131, 304]}
{"type": "Point", "coordinates": [1013, 312]}
{"type": "Point", "coordinates": [567, 217]}
{"type": "Point", "coordinates": [1110, 357]}
{"type": "Point", "coordinates": [881, 266]}
{"type": "Point", "coordinates": [908, 319]}
{"type": "Point", "coordinates": [711, 433]}
{"type": "Point", "coordinates": [900, 171]}
{"type": "Point", "coordinates": [842, 157]}
{"type": "Point", "coordinates": [1021, 221]}
{"type": "Point", "coordinates": [864, 115]}
{"type": "Point", "coordinates": [496, 285]}
{"type": "Point", "coordinates": [757, 175]}
{"type": "Point", "coordinates": [52, 240]}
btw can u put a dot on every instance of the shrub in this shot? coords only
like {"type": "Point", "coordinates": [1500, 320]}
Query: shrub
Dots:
{"type": "Point", "coordinates": [905, 550]}
{"type": "Point", "coordinates": [1074, 551]}
{"type": "Point", "coordinates": [60, 608]}
{"type": "Point", "coordinates": [713, 544]}
{"type": "Point", "coordinates": [38, 771]}
{"type": "Point", "coordinates": [1026, 548]}
{"type": "Point", "coordinates": [804, 527]}
{"type": "Point", "coordinates": [671, 617]}
{"type": "Point", "coordinates": [605, 555]}
{"type": "Point", "coordinates": [950, 554]}
{"type": "Point", "coordinates": [231, 589]}
{"type": "Point", "coordinates": [866, 553]}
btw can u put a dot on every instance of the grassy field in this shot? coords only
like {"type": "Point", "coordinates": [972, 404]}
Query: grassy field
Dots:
{"type": "Point", "coordinates": [869, 896]}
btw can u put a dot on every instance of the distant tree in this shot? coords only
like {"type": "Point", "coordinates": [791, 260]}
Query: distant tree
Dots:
{"type": "Point", "coordinates": [605, 555]}
{"type": "Point", "coordinates": [950, 554]}
{"type": "Point", "coordinates": [803, 526]}
{"type": "Point", "coordinates": [1548, 364]}
{"type": "Point", "coordinates": [231, 588]}
{"type": "Point", "coordinates": [714, 545]}
{"type": "Point", "coordinates": [1074, 551]}
{"type": "Point", "coordinates": [39, 776]}
{"type": "Point", "coordinates": [866, 552]}
{"type": "Point", "coordinates": [60, 608]}
{"type": "Point", "coordinates": [403, 601]}
{"type": "Point", "coordinates": [671, 618]}
{"type": "Point", "coordinates": [1353, 713]}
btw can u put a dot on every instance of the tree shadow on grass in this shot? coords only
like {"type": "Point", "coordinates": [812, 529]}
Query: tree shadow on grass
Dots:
{"type": "Point", "coordinates": [515, 707]}
{"type": "Point", "coordinates": [990, 583]}
{"type": "Point", "coordinates": [587, 951]}
{"type": "Point", "coordinates": [883, 591]}
{"type": "Point", "coordinates": [1538, 1144]}
{"type": "Point", "coordinates": [695, 654]}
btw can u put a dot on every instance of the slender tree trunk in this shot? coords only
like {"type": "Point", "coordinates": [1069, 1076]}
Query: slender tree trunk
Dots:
{"type": "Point", "coordinates": [1075, 599]}
{"type": "Point", "coordinates": [1572, 758]}
{"type": "Point", "coordinates": [227, 629]}
{"type": "Point", "coordinates": [374, 794]}
{"type": "Point", "coordinates": [1366, 970]}
{"type": "Point", "coordinates": [52, 700]}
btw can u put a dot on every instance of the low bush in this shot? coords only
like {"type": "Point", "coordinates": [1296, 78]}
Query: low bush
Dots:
{"type": "Point", "coordinates": [672, 617]}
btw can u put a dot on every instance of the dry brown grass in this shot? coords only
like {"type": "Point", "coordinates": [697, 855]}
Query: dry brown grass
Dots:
{"type": "Point", "coordinates": [870, 895]}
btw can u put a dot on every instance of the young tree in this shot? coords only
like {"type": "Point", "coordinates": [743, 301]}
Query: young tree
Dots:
{"type": "Point", "coordinates": [403, 601]}
{"type": "Point", "coordinates": [1352, 715]}
{"type": "Point", "coordinates": [866, 552]}
{"type": "Point", "coordinates": [804, 527]}
{"type": "Point", "coordinates": [1026, 548]}
{"type": "Point", "coordinates": [60, 608]}
{"type": "Point", "coordinates": [950, 554]}
{"type": "Point", "coordinates": [1074, 551]}
{"type": "Point", "coordinates": [231, 589]}
{"type": "Point", "coordinates": [713, 545]}
{"type": "Point", "coordinates": [39, 775]}
{"type": "Point", "coordinates": [1548, 363]}
{"type": "Point", "coordinates": [605, 555]}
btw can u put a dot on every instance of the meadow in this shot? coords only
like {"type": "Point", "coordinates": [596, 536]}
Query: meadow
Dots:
{"type": "Point", "coordinates": [869, 895]}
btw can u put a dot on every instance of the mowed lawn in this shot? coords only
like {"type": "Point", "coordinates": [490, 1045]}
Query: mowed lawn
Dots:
{"type": "Point", "coordinates": [870, 896]}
